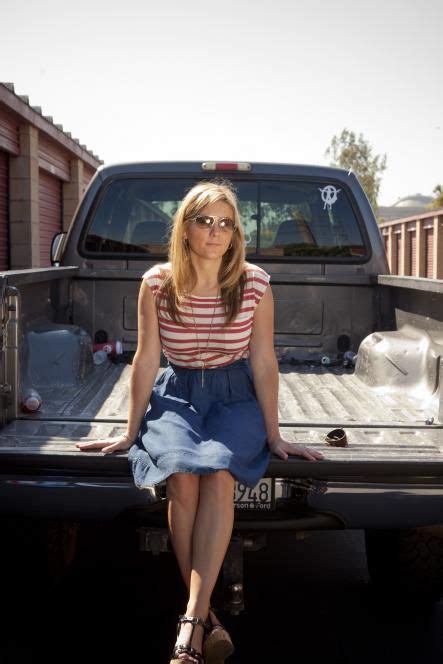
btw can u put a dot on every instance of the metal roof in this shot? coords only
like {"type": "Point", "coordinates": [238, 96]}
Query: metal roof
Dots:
{"type": "Point", "coordinates": [48, 118]}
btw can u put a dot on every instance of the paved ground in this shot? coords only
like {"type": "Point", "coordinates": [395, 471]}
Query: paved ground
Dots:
{"type": "Point", "coordinates": [306, 601]}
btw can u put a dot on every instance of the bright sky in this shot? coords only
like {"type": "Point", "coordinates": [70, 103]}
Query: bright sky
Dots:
{"type": "Point", "coordinates": [250, 80]}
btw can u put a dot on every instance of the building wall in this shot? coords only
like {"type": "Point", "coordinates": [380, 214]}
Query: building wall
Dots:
{"type": "Point", "coordinates": [43, 175]}
{"type": "Point", "coordinates": [414, 245]}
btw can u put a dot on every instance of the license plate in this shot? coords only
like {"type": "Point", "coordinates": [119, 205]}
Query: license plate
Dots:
{"type": "Point", "coordinates": [260, 497]}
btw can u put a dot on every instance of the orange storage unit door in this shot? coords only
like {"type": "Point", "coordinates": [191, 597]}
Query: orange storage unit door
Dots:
{"type": "Point", "coordinates": [413, 253]}
{"type": "Point", "coordinates": [429, 252]}
{"type": "Point", "coordinates": [398, 251]}
{"type": "Point", "coordinates": [50, 213]}
{"type": "Point", "coordinates": [4, 210]}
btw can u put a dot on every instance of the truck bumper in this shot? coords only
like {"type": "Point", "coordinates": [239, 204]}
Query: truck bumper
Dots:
{"type": "Point", "coordinates": [379, 505]}
{"type": "Point", "coordinates": [329, 504]}
{"type": "Point", "coordinates": [58, 497]}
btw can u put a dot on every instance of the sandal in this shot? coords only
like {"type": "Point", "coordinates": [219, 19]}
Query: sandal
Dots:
{"type": "Point", "coordinates": [181, 648]}
{"type": "Point", "coordinates": [217, 644]}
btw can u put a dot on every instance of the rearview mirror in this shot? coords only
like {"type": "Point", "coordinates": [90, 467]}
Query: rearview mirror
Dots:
{"type": "Point", "coordinates": [56, 248]}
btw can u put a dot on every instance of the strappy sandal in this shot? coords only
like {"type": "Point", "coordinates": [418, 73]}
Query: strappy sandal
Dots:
{"type": "Point", "coordinates": [181, 648]}
{"type": "Point", "coordinates": [217, 645]}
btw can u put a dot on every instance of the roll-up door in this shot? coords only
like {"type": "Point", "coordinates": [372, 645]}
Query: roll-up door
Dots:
{"type": "Point", "coordinates": [429, 250]}
{"type": "Point", "coordinates": [413, 253]}
{"type": "Point", "coordinates": [50, 213]}
{"type": "Point", "coordinates": [398, 250]}
{"type": "Point", "coordinates": [4, 211]}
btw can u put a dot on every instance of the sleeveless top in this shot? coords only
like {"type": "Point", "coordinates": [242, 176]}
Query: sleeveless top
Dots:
{"type": "Point", "coordinates": [200, 335]}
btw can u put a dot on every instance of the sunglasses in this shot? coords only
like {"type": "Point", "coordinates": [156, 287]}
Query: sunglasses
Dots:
{"type": "Point", "coordinates": [205, 221]}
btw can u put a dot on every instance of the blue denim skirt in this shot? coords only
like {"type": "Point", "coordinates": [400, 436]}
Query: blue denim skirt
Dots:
{"type": "Point", "coordinates": [190, 428]}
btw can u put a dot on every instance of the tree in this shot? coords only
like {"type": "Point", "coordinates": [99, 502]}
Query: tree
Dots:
{"type": "Point", "coordinates": [348, 153]}
{"type": "Point", "coordinates": [438, 202]}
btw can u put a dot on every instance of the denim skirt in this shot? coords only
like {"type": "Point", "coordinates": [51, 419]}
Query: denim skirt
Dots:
{"type": "Point", "coordinates": [193, 428]}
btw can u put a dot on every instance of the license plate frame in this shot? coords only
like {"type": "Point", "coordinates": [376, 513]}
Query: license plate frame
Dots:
{"type": "Point", "coordinates": [259, 498]}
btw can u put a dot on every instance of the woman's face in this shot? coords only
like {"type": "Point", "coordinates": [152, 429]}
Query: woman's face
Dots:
{"type": "Point", "coordinates": [211, 242]}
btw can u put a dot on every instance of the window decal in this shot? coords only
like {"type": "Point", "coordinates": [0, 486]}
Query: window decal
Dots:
{"type": "Point", "coordinates": [329, 195]}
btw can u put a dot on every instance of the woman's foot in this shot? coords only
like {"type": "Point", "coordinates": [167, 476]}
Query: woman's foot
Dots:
{"type": "Point", "coordinates": [217, 645]}
{"type": "Point", "coordinates": [189, 644]}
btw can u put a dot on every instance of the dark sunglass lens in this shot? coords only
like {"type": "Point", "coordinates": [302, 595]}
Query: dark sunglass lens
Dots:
{"type": "Point", "coordinates": [226, 223]}
{"type": "Point", "coordinates": [203, 221]}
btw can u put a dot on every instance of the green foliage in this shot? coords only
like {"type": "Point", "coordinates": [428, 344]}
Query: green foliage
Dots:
{"type": "Point", "coordinates": [347, 152]}
{"type": "Point", "coordinates": [438, 202]}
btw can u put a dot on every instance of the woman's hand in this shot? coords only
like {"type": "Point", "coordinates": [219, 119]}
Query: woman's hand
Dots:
{"type": "Point", "coordinates": [283, 449]}
{"type": "Point", "coordinates": [107, 445]}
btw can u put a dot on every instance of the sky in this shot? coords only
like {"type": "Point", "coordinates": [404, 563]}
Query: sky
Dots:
{"type": "Point", "coordinates": [237, 80]}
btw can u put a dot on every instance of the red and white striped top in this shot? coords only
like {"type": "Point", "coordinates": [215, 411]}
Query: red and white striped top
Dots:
{"type": "Point", "coordinates": [187, 344]}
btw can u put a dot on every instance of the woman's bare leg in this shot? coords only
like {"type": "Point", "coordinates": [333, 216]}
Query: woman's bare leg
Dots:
{"type": "Point", "coordinates": [211, 536]}
{"type": "Point", "coordinates": [200, 544]}
{"type": "Point", "coordinates": [183, 495]}
{"type": "Point", "coordinates": [182, 492]}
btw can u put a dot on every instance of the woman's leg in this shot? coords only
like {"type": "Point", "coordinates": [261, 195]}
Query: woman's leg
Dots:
{"type": "Point", "coordinates": [201, 539]}
{"type": "Point", "coordinates": [211, 536]}
{"type": "Point", "coordinates": [182, 491]}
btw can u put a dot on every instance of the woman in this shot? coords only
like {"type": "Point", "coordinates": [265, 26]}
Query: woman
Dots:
{"type": "Point", "coordinates": [212, 416]}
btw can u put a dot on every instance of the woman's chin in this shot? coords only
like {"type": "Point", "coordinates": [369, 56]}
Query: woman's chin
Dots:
{"type": "Point", "coordinates": [210, 254]}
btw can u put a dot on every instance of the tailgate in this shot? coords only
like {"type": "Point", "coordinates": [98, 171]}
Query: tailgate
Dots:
{"type": "Point", "coordinates": [386, 435]}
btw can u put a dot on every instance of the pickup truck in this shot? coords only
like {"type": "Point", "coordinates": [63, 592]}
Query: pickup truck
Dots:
{"type": "Point", "coordinates": [358, 350]}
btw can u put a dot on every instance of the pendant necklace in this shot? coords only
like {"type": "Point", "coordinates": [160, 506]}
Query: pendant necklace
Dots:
{"type": "Point", "coordinates": [207, 340]}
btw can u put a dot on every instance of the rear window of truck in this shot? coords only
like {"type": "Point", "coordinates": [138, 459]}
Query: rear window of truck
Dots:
{"type": "Point", "coordinates": [283, 220]}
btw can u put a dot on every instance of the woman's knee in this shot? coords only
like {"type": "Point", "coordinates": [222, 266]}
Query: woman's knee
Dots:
{"type": "Point", "coordinates": [221, 482]}
{"type": "Point", "coordinates": [182, 487]}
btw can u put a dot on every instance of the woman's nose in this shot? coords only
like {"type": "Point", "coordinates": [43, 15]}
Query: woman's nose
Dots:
{"type": "Point", "coordinates": [215, 228]}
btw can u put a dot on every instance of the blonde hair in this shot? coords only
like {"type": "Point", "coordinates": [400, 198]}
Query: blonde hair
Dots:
{"type": "Point", "coordinates": [182, 278]}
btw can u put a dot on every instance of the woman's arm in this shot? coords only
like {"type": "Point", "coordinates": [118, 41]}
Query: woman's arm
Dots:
{"type": "Point", "coordinates": [264, 367]}
{"type": "Point", "coordinates": [146, 362]}
{"type": "Point", "coordinates": [145, 365]}
{"type": "Point", "coordinates": [264, 363]}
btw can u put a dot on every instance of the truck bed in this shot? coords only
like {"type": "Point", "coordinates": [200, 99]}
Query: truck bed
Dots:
{"type": "Point", "coordinates": [385, 431]}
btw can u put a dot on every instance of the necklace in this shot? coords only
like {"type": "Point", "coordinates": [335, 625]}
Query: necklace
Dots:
{"type": "Point", "coordinates": [203, 366]}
